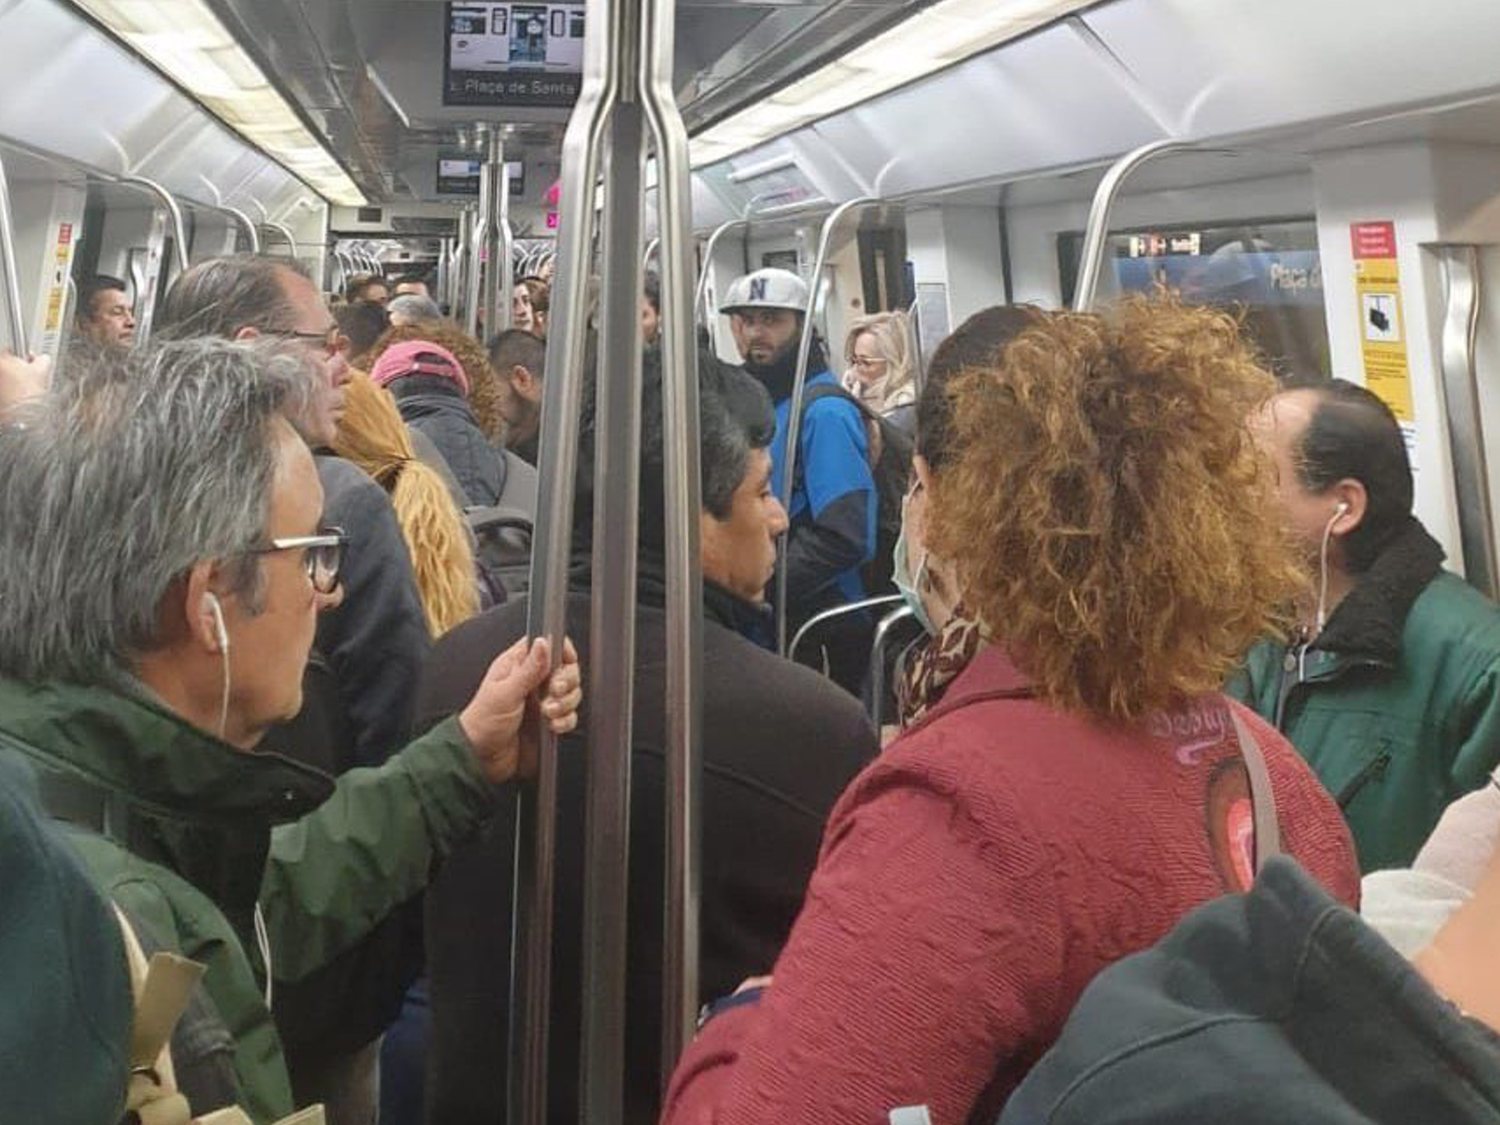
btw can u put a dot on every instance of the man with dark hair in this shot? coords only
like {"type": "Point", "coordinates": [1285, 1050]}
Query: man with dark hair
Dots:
{"type": "Point", "coordinates": [369, 287]}
{"type": "Point", "coordinates": [362, 325]}
{"type": "Point", "coordinates": [520, 360]}
{"type": "Point", "coordinates": [651, 310]}
{"type": "Point", "coordinates": [834, 503]}
{"type": "Point", "coordinates": [104, 313]}
{"type": "Point", "coordinates": [1391, 686]}
{"type": "Point", "coordinates": [779, 745]}
{"type": "Point", "coordinates": [413, 284]}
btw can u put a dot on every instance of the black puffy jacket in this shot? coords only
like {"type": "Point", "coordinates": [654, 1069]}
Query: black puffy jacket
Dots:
{"type": "Point", "coordinates": [436, 407]}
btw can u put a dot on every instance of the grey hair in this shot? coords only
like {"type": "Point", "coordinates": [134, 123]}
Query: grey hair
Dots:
{"type": "Point", "coordinates": [413, 308]}
{"type": "Point", "coordinates": [134, 469]}
{"type": "Point", "coordinates": [221, 296]}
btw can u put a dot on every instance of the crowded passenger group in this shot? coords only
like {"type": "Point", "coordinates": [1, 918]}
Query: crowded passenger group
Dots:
{"type": "Point", "coordinates": [1180, 800]}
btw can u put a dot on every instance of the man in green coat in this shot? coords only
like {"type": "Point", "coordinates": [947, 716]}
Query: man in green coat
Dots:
{"type": "Point", "coordinates": [161, 571]}
{"type": "Point", "coordinates": [1391, 686]}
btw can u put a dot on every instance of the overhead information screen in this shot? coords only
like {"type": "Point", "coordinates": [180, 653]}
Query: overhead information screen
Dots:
{"type": "Point", "coordinates": [513, 55]}
{"type": "Point", "coordinates": [459, 175]}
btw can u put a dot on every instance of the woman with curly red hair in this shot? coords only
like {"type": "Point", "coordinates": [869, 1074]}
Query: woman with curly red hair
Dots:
{"type": "Point", "coordinates": [1071, 781]}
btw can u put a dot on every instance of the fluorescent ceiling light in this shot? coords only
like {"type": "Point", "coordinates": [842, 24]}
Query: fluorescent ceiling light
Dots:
{"type": "Point", "coordinates": [929, 40]}
{"type": "Point", "coordinates": [186, 42]}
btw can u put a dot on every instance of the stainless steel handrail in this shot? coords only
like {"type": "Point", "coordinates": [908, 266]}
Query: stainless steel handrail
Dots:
{"type": "Point", "coordinates": [1096, 233]}
{"type": "Point", "coordinates": [680, 418]}
{"type": "Point", "coordinates": [285, 232]}
{"type": "Point", "coordinates": [836, 612]}
{"type": "Point", "coordinates": [14, 306]}
{"type": "Point", "coordinates": [611, 677]}
{"type": "Point", "coordinates": [174, 214]}
{"type": "Point", "coordinates": [583, 145]}
{"type": "Point", "coordinates": [799, 383]}
{"type": "Point", "coordinates": [701, 293]}
{"type": "Point", "coordinates": [883, 633]}
{"type": "Point", "coordinates": [496, 240]}
{"type": "Point", "coordinates": [1463, 292]}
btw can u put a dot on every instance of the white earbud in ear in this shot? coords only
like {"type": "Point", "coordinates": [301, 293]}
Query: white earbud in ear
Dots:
{"type": "Point", "coordinates": [219, 630]}
{"type": "Point", "coordinates": [1340, 508]}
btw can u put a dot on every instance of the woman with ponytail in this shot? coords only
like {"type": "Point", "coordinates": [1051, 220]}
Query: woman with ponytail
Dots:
{"type": "Point", "coordinates": [373, 436]}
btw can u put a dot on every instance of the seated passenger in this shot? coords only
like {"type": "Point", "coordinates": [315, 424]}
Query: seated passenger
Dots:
{"type": "Point", "coordinates": [779, 743]}
{"type": "Point", "coordinates": [880, 372]}
{"type": "Point", "coordinates": [834, 504]}
{"type": "Point", "coordinates": [431, 390]}
{"type": "Point", "coordinates": [374, 643]}
{"type": "Point", "coordinates": [1076, 783]}
{"type": "Point", "coordinates": [1391, 687]}
{"type": "Point", "coordinates": [1281, 1006]}
{"type": "Point", "coordinates": [162, 563]}
{"type": "Point", "coordinates": [372, 435]}
{"type": "Point", "coordinates": [105, 317]}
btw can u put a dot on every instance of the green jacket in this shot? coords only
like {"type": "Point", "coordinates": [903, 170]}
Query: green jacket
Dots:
{"type": "Point", "coordinates": [187, 834]}
{"type": "Point", "coordinates": [1396, 704]}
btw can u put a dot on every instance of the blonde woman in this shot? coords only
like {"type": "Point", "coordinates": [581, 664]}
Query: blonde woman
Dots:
{"type": "Point", "coordinates": [880, 371]}
{"type": "Point", "coordinates": [373, 436]}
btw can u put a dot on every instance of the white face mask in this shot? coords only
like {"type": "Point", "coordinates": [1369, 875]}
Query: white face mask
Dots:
{"type": "Point", "coordinates": [909, 583]}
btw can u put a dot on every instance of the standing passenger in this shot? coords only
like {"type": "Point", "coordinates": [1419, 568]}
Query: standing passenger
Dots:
{"type": "Point", "coordinates": [833, 510]}
{"type": "Point", "coordinates": [1075, 783]}
{"type": "Point", "coordinates": [779, 745]}
{"type": "Point", "coordinates": [881, 374]}
{"type": "Point", "coordinates": [1391, 689]}
{"type": "Point", "coordinates": [519, 358]}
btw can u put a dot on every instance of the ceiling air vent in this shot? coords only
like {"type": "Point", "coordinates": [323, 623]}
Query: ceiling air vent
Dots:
{"type": "Point", "coordinates": [371, 215]}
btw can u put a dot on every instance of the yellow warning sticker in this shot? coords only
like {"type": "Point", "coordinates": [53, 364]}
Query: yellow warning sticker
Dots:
{"type": "Point", "coordinates": [1382, 325]}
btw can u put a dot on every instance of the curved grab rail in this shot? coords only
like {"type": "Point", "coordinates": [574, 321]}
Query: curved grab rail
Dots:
{"type": "Point", "coordinates": [174, 215]}
{"type": "Point", "coordinates": [15, 312]}
{"type": "Point", "coordinates": [799, 384]}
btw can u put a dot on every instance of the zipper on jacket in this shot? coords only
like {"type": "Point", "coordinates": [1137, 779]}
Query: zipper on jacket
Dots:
{"type": "Point", "coordinates": [1372, 771]}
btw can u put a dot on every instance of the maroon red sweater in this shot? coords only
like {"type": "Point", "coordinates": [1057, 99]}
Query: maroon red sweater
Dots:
{"type": "Point", "coordinates": [972, 881]}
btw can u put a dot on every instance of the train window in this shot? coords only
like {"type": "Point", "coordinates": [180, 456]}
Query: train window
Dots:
{"type": "Point", "coordinates": [1269, 270]}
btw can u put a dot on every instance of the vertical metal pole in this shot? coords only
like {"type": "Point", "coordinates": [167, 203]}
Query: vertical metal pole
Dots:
{"type": "Point", "coordinates": [1096, 234]}
{"type": "Point", "coordinates": [680, 423]}
{"type": "Point", "coordinates": [474, 279]}
{"type": "Point", "coordinates": [494, 290]}
{"type": "Point", "coordinates": [145, 297]}
{"type": "Point", "coordinates": [463, 272]}
{"type": "Point", "coordinates": [617, 436]}
{"type": "Point", "coordinates": [799, 383]}
{"type": "Point", "coordinates": [1463, 288]}
{"type": "Point", "coordinates": [505, 251]}
{"type": "Point", "coordinates": [532, 967]}
{"type": "Point", "coordinates": [174, 212]}
{"type": "Point", "coordinates": [14, 310]}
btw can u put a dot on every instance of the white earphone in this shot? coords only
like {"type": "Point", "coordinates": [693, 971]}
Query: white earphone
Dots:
{"type": "Point", "coordinates": [221, 633]}
{"type": "Point", "coordinates": [1340, 508]}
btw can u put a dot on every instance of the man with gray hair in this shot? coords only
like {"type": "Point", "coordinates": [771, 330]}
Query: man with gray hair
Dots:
{"type": "Point", "coordinates": [376, 642]}
{"type": "Point", "coordinates": [162, 565]}
{"type": "Point", "coordinates": [412, 308]}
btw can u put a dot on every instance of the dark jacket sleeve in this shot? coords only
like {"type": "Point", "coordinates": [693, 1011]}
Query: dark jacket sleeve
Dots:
{"type": "Point", "coordinates": [838, 531]}
{"type": "Point", "coordinates": [376, 641]}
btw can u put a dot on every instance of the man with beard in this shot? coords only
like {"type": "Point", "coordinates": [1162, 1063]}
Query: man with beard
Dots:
{"type": "Point", "coordinates": [833, 508]}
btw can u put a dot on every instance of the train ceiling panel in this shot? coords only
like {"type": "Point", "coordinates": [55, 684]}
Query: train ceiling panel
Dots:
{"type": "Point", "coordinates": [92, 103]}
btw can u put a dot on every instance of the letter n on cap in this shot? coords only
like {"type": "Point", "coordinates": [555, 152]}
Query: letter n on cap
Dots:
{"type": "Point", "coordinates": [758, 289]}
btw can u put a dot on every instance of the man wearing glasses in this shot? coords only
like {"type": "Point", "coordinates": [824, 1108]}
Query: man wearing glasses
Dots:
{"type": "Point", "coordinates": [370, 650]}
{"type": "Point", "coordinates": [163, 562]}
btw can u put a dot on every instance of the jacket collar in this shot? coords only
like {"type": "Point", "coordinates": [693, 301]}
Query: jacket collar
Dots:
{"type": "Point", "coordinates": [1369, 622]}
{"type": "Point", "coordinates": [128, 744]}
{"type": "Point", "coordinates": [992, 674]}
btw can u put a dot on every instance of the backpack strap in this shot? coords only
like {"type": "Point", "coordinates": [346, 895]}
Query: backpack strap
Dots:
{"type": "Point", "coordinates": [162, 988]}
{"type": "Point", "coordinates": [1262, 797]}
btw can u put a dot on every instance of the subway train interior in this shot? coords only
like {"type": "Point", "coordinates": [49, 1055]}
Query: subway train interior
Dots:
{"type": "Point", "coordinates": [1329, 171]}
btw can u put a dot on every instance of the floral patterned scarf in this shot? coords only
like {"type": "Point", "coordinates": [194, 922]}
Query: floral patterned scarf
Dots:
{"type": "Point", "coordinates": [936, 662]}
